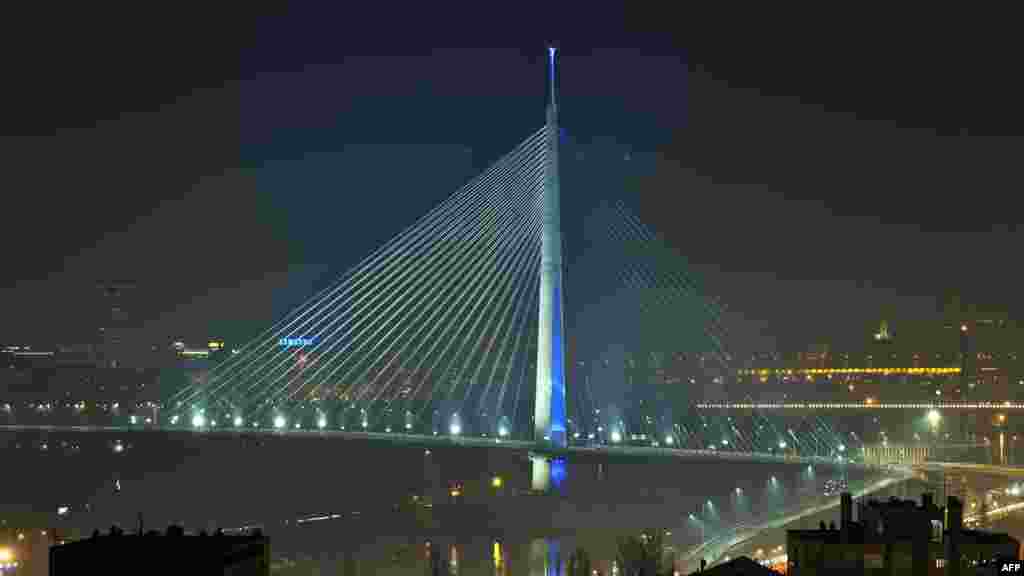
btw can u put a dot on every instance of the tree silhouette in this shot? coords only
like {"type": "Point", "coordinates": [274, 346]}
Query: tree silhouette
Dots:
{"type": "Point", "coordinates": [643, 555]}
{"type": "Point", "coordinates": [579, 563]}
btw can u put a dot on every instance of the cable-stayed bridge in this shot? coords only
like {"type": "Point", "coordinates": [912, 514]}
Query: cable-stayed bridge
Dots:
{"type": "Point", "coordinates": [455, 333]}
{"type": "Point", "coordinates": [457, 324]}
{"type": "Point", "coordinates": [457, 328]}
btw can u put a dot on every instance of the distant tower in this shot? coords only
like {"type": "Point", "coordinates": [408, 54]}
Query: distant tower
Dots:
{"type": "Point", "coordinates": [883, 334]}
{"type": "Point", "coordinates": [549, 406]}
{"type": "Point", "coordinates": [114, 320]}
{"type": "Point", "coordinates": [967, 419]}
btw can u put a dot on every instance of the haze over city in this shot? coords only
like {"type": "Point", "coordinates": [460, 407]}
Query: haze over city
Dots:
{"type": "Point", "coordinates": [609, 296]}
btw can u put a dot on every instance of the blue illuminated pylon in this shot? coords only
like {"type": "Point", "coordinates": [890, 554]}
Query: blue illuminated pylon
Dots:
{"type": "Point", "coordinates": [549, 406]}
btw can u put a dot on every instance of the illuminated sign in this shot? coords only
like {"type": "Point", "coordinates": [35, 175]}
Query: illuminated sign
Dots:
{"type": "Point", "coordinates": [296, 342]}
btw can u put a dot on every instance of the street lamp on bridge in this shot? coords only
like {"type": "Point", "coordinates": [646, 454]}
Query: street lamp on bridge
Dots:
{"type": "Point", "coordinates": [695, 518]}
{"type": "Point", "coordinates": [934, 418]}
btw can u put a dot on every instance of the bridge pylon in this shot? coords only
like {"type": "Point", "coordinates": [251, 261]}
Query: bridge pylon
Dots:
{"type": "Point", "coordinates": [549, 404]}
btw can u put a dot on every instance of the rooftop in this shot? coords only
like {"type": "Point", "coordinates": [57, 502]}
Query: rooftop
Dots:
{"type": "Point", "coordinates": [740, 565]}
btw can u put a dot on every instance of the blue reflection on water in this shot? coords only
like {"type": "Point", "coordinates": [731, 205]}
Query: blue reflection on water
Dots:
{"type": "Point", "coordinates": [559, 473]}
{"type": "Point", "coordinates": [554, 559]}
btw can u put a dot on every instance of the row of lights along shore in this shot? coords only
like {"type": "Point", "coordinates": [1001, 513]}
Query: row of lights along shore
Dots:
{"type": "Point", "coordinates": [869, 403]}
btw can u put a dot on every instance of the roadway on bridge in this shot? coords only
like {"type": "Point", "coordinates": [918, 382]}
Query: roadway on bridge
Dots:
{"type": "Point", "coordinates": [716, 548]}
{"type": "Point", "coordinates": [985, 469]}
{"type": "Point", "coordinates": [465, 441]}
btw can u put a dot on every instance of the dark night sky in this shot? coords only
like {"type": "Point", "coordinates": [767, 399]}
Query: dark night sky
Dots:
{"type": "Point", "coordinates": [231, 162]}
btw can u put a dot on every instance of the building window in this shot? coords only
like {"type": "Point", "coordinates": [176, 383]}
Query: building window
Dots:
{"type": "Point", "coordinates": [940, 562]}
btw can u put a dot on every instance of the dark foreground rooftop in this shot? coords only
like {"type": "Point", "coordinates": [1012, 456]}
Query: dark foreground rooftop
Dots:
{"type": "Point", "coordinates": [171, 552]}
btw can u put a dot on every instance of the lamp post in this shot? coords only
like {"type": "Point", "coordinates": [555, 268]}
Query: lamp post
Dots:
{"type": "Point", "coordinates": [700, 524]}
{"type": "Point", "coordinates": [934, 419]}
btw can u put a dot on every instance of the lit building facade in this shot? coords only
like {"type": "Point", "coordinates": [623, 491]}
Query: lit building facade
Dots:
{"type": "Point", "coordinates": [897, 537]}
{"type": "Point", "coordinates": [962, 360]}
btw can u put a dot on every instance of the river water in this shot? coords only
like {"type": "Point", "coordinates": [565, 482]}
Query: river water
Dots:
{"type": "Point", "coordinates": [344, 505]}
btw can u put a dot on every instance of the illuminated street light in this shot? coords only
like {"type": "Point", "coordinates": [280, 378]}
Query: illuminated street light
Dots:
{"type": "Point", "coordinates": [238, 422]}
{"type": "Point", "coordinates": [322, 422]}
{"type": "Point", "coordinates": [782, 445]}
{"type": "Point", "coordinates": [934, 417]}
{"type": "Point", "coordinates": [198, 421]}
{"type": "Point", "coordinates": [279, 422]}
{"type": "Point", "coordinates": [455, 429]}
{"type": "Point", "coordinates": [670, 440]}
{"type": "Point", "coordinates": [616, 436]}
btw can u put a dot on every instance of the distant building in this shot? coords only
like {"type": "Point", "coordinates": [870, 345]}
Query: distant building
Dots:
{"type": "Point", "coordinates": [967, 356]}
{"type": "Point", "coordinates": [24, 357]}
{"type": "Point", "coordinates": [24, 549]}
{"type": "Point", "coordinates": [214, 348]}
{"type": "Point", "coordinates": [883, 334]}
{"type": "Point", "coordinates": [156, 553]}
{"type": "Point", "coordinates": [741, 566]}
{"type": "Point", "coordinates": [898, 537]}
{"type": "Point", "coordinates": [115, 318]}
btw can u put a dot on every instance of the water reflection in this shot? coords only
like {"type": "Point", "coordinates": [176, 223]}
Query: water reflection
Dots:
{"type": "Point", "coordinates": [453, 560]}
{"type": "Point", "coordinates": [374, 506]}
{"type": "Point", "coordinates": [559, 473]}
{"type": "Point", "coordinates": [498, 557]}
{"type": "Point", "coordinates": [540, 473]}
{"type": "Point", "coordinates": [546, 558]}
{"type": "Point", "coordinates": [548, 474]}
